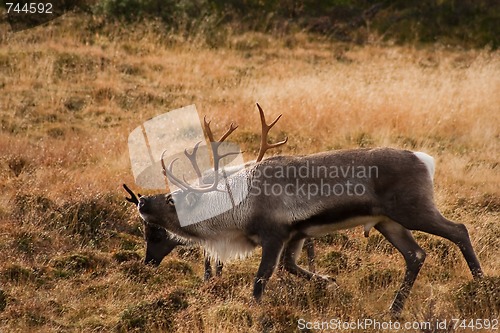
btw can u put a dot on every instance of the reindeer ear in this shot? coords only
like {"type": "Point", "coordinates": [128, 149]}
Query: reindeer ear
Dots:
{"type": "Point", "coordinates": [192, 198]}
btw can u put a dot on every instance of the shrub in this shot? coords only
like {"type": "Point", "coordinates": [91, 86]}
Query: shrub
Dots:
{"type": "Point", "coordinates": [126, 255]}
{"type": "Point", "coordinates": [90, 218]}
{"type": "Point", "coordinates": [334, 262]}
{"type": "Point", "coordinates": [72, 264]}
{"type": "Point", "coordinates": [479, 298]}
{"type": "Point", "coordinates": [378, 279]}
{"type": "Point", "coordinates": [279, 319]}
{"type": "Point", "coordinates": [17, 273]}
{"type": "Point", "coordinates": [377, 243]}
{"type": "Point", "coordinates": [157, 314]}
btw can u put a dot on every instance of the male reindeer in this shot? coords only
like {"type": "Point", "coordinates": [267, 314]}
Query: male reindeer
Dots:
{"type": "Point", "coordinates": [159, 243]}
{"type": "Point", "coordinates": [388, 189]}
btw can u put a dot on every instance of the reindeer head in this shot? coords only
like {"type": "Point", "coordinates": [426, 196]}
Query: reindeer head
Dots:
{"type": "Point", "coordinates": [159, 242]}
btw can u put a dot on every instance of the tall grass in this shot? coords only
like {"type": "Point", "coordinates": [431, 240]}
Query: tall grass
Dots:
{"type": "Point", "coordinates": [70, 244]}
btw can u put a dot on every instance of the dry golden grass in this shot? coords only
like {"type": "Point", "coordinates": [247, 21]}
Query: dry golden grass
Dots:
{"type": "Point", "coordinates": [70, 245]}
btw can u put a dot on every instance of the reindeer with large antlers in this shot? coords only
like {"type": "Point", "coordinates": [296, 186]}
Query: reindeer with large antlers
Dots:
{"type": "Point", "coordinates": [159, 243]}
{"type": "Point", "coordinates": [291, 198]}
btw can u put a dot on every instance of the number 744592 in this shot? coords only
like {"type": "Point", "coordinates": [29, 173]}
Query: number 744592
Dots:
{"type": "Point", "coordinates": [29, 8]}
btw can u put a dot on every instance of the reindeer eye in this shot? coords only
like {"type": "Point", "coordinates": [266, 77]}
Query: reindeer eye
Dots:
{"type": "Point", "coordinates": [170, 201]}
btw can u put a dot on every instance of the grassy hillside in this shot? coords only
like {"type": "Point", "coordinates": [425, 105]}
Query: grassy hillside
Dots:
{"type": "Point", "coordinates": [468, 23]}
{"type": "Point", "coordinates": [71, 247]}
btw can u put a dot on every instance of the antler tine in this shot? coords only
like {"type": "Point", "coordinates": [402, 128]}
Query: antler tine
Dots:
{"type": "Point", "coordinates": [263, 118]}
{"type": "Point", "coordinates": [277, 144]}
{"type": "Point", "coordinates": [164, 169]}
{"type": "Point", "coordinates": [228, 154]}
{"type": "Point", "coordinates": [264, 145]}
{"type": "Point", "coordinates": [208, 131]}
{"type": "Point", "coordinates": [210, 135]}
{"type": "Point", "coordinates": [192, 158]}
{"type": "Point", "coordinates": [167, 172]}
{"type": "Point", "coordinates": [230, 130]}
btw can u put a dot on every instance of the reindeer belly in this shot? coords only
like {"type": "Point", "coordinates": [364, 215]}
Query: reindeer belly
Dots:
{"type": "Point", "coordinates": [234, 245]}
{"type": "Point", "coordinates": [317, 230]}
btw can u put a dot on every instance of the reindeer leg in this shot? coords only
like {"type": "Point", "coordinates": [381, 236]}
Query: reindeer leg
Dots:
{"type": "Point", "coordinates": [431, 221]}
{"type": "Point", "coordinates": [290, 257]}
{"type": "Point", "coordinates": [309, 244]}
{"type": "Point", "coordinates": [413, 254]}
{"type": "Point", "coordinates": [271, 252]}
{"type": "Point", "coordinates": [458, 234]}
{"type": "Point", "coordinates": [208, 267]}
{"type": "Point", "coordinates": [218, 268]}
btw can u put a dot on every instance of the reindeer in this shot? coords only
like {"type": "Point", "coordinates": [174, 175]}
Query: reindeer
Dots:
{"type": "Point", "coordinates": [283, 200]}
{"type": "Point", "coordinates": [159, 243]}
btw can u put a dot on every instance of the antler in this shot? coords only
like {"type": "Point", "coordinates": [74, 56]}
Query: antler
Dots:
{"type": "Point", "coordinates": [133, 199]}
{"type": "Point", "coordinates": [183, 184]}
{"type": "Point", "coordinates": [264, 145]}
